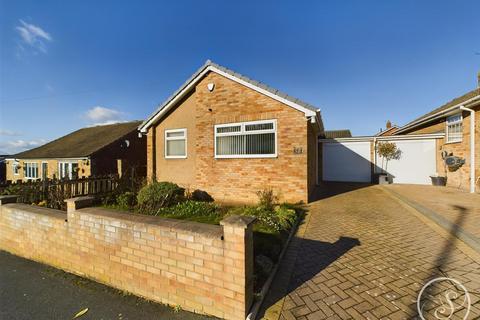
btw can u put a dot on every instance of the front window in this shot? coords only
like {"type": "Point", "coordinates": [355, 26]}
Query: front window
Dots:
{"type": "Point", "coordinates": [176, 143]}
{"type": "Point", "coordinates": [68, 170]}
{"type": "Point", "coordinates": [31, 170]}
{"type": "Point", "coordinates": [15, 166]}
{"type": "Point", "coordinates": [454, 128]}
{"type": "Point", "coordinates": [256, 139]}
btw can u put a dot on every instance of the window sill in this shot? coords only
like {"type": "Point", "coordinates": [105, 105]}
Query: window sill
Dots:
{"type": "Point", "coordinates": [454, 142]}
{"type": "Point", "coordinates": [174, 157]}
{"type": "Point", "coordinates": [248, 157]}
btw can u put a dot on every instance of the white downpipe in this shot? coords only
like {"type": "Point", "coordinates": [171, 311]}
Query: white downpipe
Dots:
{"type": "Point", "coordinates": [472, 147]}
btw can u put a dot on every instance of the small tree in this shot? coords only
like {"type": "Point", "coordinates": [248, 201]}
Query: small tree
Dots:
{"type": "Point", "coordinates": [388, 151]}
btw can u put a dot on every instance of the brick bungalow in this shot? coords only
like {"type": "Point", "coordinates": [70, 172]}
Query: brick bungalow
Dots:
{"type": "Point", "coordinates": [231, 136]}
{"type": "Point", "coordinates": [98, 150]}
{"type": "Point", "coordinates": [457, 119]}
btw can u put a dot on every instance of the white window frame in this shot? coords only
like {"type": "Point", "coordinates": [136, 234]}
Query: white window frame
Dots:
{"type": "Point", "coordinates": [243, 132]}
{"type": "Point", "coordinates": [447, 133]}
{"type": "Point", "coordinates": [31, 165]}
{"type": "Point", "coordinates": [184, 130]}
{"type": "Point", "coordinates": [15, 165]}
{"type": "Point", "coordinates": [43, 173]}
{"type": "Point", "coordinates": [70, 169]}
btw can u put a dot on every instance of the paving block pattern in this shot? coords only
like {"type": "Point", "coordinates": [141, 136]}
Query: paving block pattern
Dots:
{"type": "Point", "coordinates": [364, 256]}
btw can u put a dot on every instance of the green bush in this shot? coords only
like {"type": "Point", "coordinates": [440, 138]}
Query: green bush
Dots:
{"type": "Point", "coordinates": [200, 195]}
{"type": "Point", "coordinates": [126, 200]}
{"type": "Point", "coordinates": [267, 199]}
{"type": "Point", "coordinates": [190, 208]}
{"type": "Point", "coordinates": [271, 216]}
{"type": "Point", "coordinates": [156, 195]}
{"type": "Point", "coordinates": [13, 189]}
{"type": "Point", "coordinates": [286, 217]}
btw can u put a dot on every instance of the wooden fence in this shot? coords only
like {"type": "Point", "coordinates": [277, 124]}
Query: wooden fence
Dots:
{"type": "Point", "coordinates": [53, 192]}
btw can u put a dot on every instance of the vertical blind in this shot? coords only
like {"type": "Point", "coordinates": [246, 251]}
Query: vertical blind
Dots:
{"type": "Point", "coordinates": [246, 139]}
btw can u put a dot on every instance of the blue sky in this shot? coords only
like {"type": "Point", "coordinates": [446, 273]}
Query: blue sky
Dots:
{"type": "Point", "coordinates": [69, 64]}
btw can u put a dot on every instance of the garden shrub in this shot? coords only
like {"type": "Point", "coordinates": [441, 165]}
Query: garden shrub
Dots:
{"type": "Point", "coordinates": [109, 198]}
{"type": "Point", "coordinates": [13, 189]}
{"type": "Point", "coordinates": [286, 217]}
{"type": "Point", "coordinates": [267, 199]}
{"type": "Point", "coordinates": [190, 208]}
{"type": "Point", "coordinates": [126, 200]}
{"type": "Point", "coordinates": [156, 195]}
{"type": "Point", "coordinates": [200, 195]}
{"type": "Point", "coordinates": [270, 215]}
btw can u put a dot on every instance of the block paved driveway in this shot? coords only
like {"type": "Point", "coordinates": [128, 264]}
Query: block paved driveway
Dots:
{"type": "Point", "coordinates": [363, 255]}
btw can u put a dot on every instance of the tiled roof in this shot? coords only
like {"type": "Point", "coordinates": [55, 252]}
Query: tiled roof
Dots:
{"type": "Point", "coordinates": [80, 143]}
{"type": "Point", "coordinates": [446, 106]}
{"type": "Point", "coordinates": [334, 134]}
{"type": "Point", "coordinates": [261, 85]}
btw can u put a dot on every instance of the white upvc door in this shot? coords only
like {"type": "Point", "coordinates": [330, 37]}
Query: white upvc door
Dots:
{"type": "Point", "coordinates": [347, 161]}
{"type": "Point", "coordinates": [416, 164]}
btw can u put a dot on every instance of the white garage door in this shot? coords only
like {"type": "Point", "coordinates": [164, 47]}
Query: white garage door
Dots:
{"type": "Point", "coordinates": [416, 164]}
{"type": "Point", "coordinates": [347, 161]}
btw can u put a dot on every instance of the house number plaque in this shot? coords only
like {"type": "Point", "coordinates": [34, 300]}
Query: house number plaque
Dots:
{"type": "Point", "coordinates": [297, 150]}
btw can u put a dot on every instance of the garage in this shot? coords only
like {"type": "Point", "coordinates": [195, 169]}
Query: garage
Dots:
{"type": "Point", "coordinates": [352, 160]}
{"type": "Point", "coordinates": [416, 164]}
{"type": "Point", "coordinates": [347, 161]}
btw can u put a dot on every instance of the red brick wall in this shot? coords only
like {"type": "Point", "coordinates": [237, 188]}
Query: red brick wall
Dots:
{"type": "Point", "coordinates": [291, 175]}
{"type": "Point", "coordinates": [202, 268]}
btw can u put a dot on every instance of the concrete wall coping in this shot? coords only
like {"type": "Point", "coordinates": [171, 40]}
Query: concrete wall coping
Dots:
{"type": "Point", "coordinates": [79, 202]}
{"type": "Point", "coordinates": [49, 212]}
{"type": "Point", "coordinates": [8, 199]}
{"type": "Point", "coordinates": [238, 221]}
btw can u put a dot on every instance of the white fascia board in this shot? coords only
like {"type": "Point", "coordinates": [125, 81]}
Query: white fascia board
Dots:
{"type": "Point", "coordinates": [387, 138]}
{"type": "Point", "coordinates": [352, 139]}
{"type": "Point", "coordinates": [46, 159]}
{"type": "Point", "coordinates": [436, 115]}
{"type": "Point", "coordinates": [307, 112]}
{"type": "Point", "coordinates": [186, 89]}
{"type": "Point", "coordinates": [412, 137]}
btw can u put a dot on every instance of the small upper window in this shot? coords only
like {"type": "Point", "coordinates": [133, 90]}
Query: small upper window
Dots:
{"type": "Point", "coordinates": [454, 128]}
{"type": "Point", "coordinates": [176, 143]}
{"type": "Point", "coordinates": [31, 170]}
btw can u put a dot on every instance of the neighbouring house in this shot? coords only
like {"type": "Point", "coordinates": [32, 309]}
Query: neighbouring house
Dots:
{"type": "Point", "coordinates": [3, 167]}
{"type": "Point", "coordinates": [231, 136]}
{"type": "Point", "coordinates": [334, 134]}
{"type": "Point", "coordinates": [448, 134]}
{"type": "Point", "coordinates": [457, 120]}
{"type": "Point", "coordinates": [91, 151]}
{"type": "Point", "coordinates": [389, 130]}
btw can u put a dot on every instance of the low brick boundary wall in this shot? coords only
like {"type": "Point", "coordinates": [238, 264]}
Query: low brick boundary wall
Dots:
{"type": "Point", "coordinates": [202, 268]}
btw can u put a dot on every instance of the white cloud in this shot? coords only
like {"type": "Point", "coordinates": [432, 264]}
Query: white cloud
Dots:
{"type": "Point", "coordinates": [101, 116]}
{"type": "Point", "coordinates": [33, 36]}
{"type": "Point", "coordinates": [9, 133]}
{"type": "Point", "coordinates": [16, 146]}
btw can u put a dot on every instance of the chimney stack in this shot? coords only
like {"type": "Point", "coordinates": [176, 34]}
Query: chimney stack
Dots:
{"type": "Point", "coordinates": [478, 79]}
{"type": "Point", "coordinates": [389, 124]}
